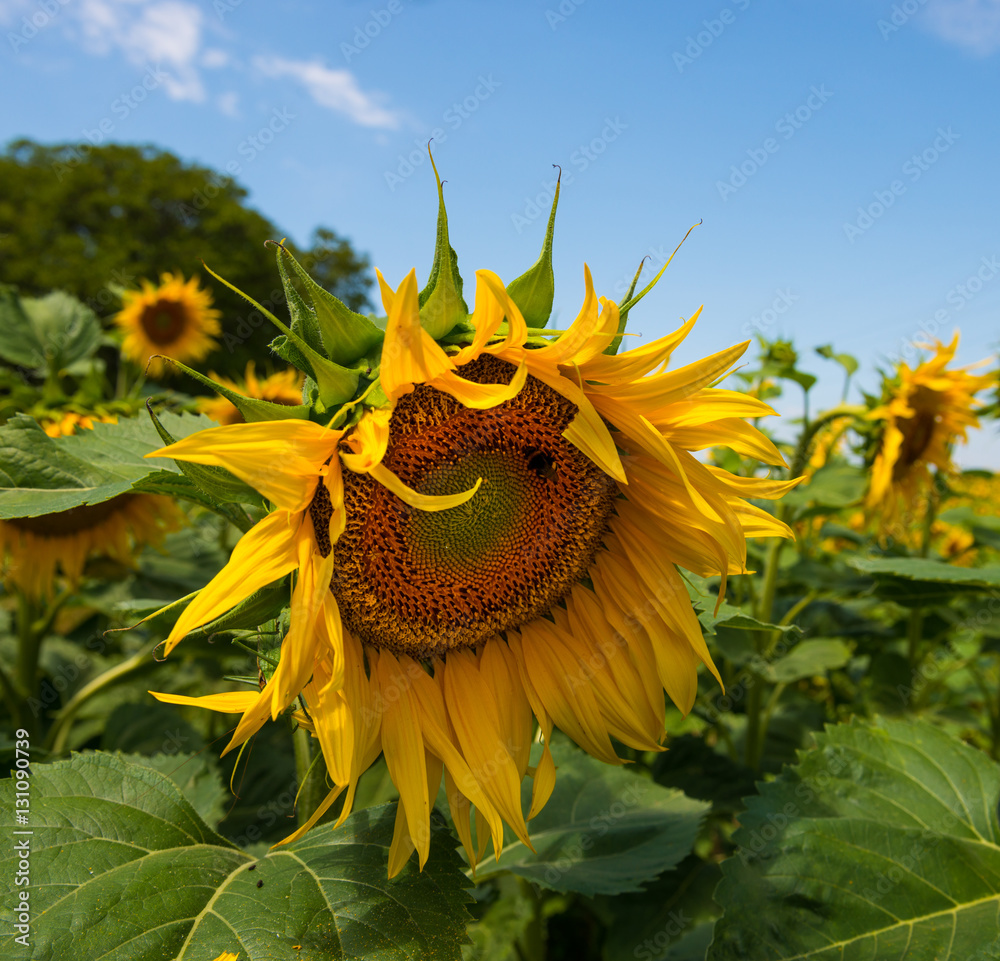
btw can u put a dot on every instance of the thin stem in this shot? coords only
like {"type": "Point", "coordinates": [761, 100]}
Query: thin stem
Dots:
{"type": "Point", "coordinates": [59, 734]}
{"type": "Point", "coordinates": [311, 773]}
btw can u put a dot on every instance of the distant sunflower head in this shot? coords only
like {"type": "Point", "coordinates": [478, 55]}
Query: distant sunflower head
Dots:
{"type": "Point", "coordinates": [39, 551]}
{"type": "Point", "coordinates": [485, 535]}
{"type": "Point", "coordinates": [173, 319]}
{"type": "Point", "coordinates": [283, 387]}
{"type": "Point", "coordinates": [926, 410]}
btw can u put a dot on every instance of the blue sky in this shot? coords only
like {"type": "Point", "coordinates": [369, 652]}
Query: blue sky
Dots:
{"type": "Point", "coordinates": [843, 154]}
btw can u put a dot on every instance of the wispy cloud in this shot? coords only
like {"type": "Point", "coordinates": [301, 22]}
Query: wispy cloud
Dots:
{"type": "Point", "coordinates": [337, 90]}
{"type": "Point", "coordinates": [972, 24]}
{"type": "Point", "coordinates": [164, 33]}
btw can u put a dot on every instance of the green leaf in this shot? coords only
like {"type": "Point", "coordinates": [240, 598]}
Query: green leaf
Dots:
{"type": "Point", "coordinates": [807, 658]}
{"type": "Point", "coordinates": [346, 336]}
{"type": "Point", "coordinates": [441, 301]}
{"type": "Point", "coordinates": [921, 581]}
{"type": "Point", "coordinates": [336, 383]}
{"type": "Point", "coordinates": [835, 485]}
{"type": "Point", "coordinates": [534, 290]}
{"type": "Point", "coordinates": [605, 830]}
{"type": "Point", "coordinates": [847, 361]}
{"type": "Point", "coordinates": [253, 409]}
{"type": "Point", "coordinates": [42, 475]}
{"type": "Point", "coordinates": [52, 332]}
{"type": "Point", "coordinates": [123, 869]}
{"type": "Point", "coordinates": [882, 842]}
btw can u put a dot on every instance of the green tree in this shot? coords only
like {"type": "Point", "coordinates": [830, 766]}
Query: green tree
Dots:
{"type": "Point", "coordinates": [88, 219]}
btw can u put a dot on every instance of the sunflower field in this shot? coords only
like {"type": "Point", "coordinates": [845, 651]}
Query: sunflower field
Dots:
{"type": "Point", "coordinates": [439, 631]}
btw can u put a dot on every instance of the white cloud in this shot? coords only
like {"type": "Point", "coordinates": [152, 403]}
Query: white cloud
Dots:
{"type": "Point", "coordinates": [972, 24]}
{"type": "Point", "coordinates": [213, 58]}
{"type": "Point", "coordinates": [229, 103]}
{"type": "Point", "coordinates": [165, 34]}
{"type": "Point", "coordinates": [336, 89]}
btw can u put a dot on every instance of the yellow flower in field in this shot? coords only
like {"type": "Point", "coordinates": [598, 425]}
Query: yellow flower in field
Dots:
{"type": "Point", "coordinates": [489, 540]}
{"type": "Point", "coordinates": [283, 387]}
{"type": "Point", "coordinates": [175, 319]}
{"type": "Point", "coordinates": [66, 423]}
{"type": "Point", "coordinates": [39, 549]}
{"type": "Point", "coordinates": [929, 410]}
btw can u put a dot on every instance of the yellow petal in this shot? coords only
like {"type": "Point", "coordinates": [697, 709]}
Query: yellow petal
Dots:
{"type": "Point", "coordinates": [517, 329]}
{"type": "Point", "coordinates": [474, 714]}
{"type": "Point", "coordinates": [298, 650]}
{"type": "Point", "coordinates": [409, 354]}
{"type": "Point", "coordinates": [440, 739]}
{"type": "Point", "coordinates": [481, 396]}
{"type": "Point", "coordinates": [369, 440]}
{"type": "Point", "coordinates": [403, 747]}
{"type": "Point", "coordinates": [281, 459]}
{"type": "Point", "coordinates": [423, 502]}
{"type": "Point", "coordinates": [570, 703]}
{"type": "Point", "coordinates": [262, 555]}
{"type": "Point", "coordinates": [231, 702]}
{"type": "Point", "coordinates": [402, 844]}
{"type": "Point", "coordinates": [576, 341]}
{"type": "Point", "coordinates": [626, 367]}
{"type": "Point", "coordinates": [587, 432]}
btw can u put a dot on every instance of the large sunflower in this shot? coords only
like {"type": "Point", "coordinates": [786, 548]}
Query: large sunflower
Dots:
{"type": "Point", "coordinates": [283, 387]}
{"type": "Point", "coordinates": [175, 319]}
{"type": "Point", "coordinates": [491, 542]}
{"type": "Point", "coordinates": [928, 409]}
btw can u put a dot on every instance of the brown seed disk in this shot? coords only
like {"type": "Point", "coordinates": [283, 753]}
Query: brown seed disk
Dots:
{"type": "Point", "coordinates": [419, 582]}
{"type": "Point", "coordinates": [164, 321]}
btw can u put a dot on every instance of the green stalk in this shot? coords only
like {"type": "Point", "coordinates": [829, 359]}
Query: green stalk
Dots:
{"type": "Point", "coordinates": [311, 773]}
{"type": "Point", "coordinates": [59, 734]}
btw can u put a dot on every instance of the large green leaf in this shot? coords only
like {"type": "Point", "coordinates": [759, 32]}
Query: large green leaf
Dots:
{"type": "Point", "coordinates": [921, 581]}
{"type": "Point", "coordinates": [123, 869]}
{"type": "Point", "coordinates": [881, 843]}
{"type": "Point", "coordinates": [835, 485]}
{"type": "Point", "coordinates": [41, 474]}
{"type": "Point", "coordinates": [42, 333]}
{"type": "Point", "coordinates": [605, 830]}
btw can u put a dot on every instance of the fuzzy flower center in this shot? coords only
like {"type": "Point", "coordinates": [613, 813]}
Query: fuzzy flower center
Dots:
{"type": "Point", "coordinates": [164, 321]}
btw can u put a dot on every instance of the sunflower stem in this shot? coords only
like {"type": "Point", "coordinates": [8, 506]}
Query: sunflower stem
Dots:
{"type": "Point", "coordinates": [311, 773]}
{"type": "Point", "coordinates": [59, 733]}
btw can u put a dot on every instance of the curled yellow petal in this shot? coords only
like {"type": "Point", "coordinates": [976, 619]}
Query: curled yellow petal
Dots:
{"type": "Point", "coordinates": [422, 502]}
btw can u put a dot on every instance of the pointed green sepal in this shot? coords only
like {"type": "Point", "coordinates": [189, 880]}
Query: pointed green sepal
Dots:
{"type": "Point", "coordinates": [336, 384]}
{"type": "Point", "coordinates": [304, 321]}
{"type": "Point", "coordinates": [629, 302]}
{"type": "Point", "coordinates": [217, 482]}
{"type": "Point", "coordinates": [261, 606]}
{"type": "Point", "coordinates": [346, 335]}
{"type": "Point", "coordinates": [534, 290]}
{"type": "Point", "coordinates": [612, 348]}
{"type": "Point", "coordinates": [441, 302]}
{"type": "Point", "coordinates": [252, 408]}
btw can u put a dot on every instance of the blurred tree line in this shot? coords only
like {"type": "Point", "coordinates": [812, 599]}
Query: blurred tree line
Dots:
{"type": "Point", "coordinates": [93, 219]}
